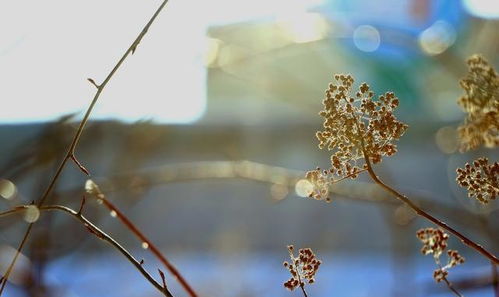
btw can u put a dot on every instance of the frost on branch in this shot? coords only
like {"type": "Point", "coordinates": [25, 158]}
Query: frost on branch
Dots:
{"type": "Point", "coordinates": [481, 103]}
{"type": "Point", "coordinates": [355, 123]}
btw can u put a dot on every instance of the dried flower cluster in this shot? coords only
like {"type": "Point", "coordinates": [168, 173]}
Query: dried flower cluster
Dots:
{"type": "Point", "coordinates": [354, 125]}
{"type": "Point", "coordinates": [481, 103]}
{"type": "Point", "coordinates": [481, 179]}
{"type": "Point", "coordinates": [320, 179]}
{"type": "Point", "coordinates": [303, 267]}
{"type": "Point", "coordinates": [435, 242]}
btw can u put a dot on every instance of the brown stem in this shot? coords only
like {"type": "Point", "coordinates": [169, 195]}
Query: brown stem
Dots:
{"type": "Point", "coordinates": [426, 215]}
{"type": "Point", "coordinates": [76, 138]}
{"type": "Point", "coordinates": [302, 286]}
{"type": "Point", "coordinates": [131, 226]}
{"type": "Point", "coordinates": [101, 235]}
{"type": "Point", "coordinates": [298, 272]}
{"type": "Point", "coordinates": [451, 287]}
{"type": "Point", "coordinates": [349, 176]}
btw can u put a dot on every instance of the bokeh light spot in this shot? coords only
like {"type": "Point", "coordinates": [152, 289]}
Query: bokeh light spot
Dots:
{"type": "Point", "coordinates": [31, 214]}
{"type": "Point", "coordinates": [437, 38]}
{"type": "Point", "coordinates": [303, 188]}
{"type": "Point", "coordinates": [366, 38]}
{"type": "Point", "coordinates": [446, 139]}
{"type": "Point", "coordinates": [488, 9]}
{"type": "Point", "coordinates": [278, 192]}
{"type": "Point", "coordinates": [7, 189]}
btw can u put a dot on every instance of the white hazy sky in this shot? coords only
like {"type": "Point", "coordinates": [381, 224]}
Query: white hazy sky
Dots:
{"type": "Point", "coordinates": [48, 49]}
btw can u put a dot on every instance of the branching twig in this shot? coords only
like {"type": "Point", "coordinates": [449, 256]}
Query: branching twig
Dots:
{"type": "Point", "coordinates": [71, 149]}
{"type": "Point", "coordinates": [259, 172]}
{"type": "Point", "coordinates": [131, 226]}
{"type": "Point", "coordinates": [100, 234]}
{"type": "Point", "coordinates": [426, 215]}
{"type": "Point", "coordinates": [82, 204]}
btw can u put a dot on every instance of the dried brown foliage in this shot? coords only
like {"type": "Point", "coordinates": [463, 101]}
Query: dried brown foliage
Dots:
{"type": "Point", "coordinates": [435, 243]}
{"type": "Point", "coordinates": [480, 179]}
{"type": "Point", "coordinates": [356, 123]}
{"type": "Point", "coordinates": [302, 268]}
{"type": "Point", "coordinates": [481, 103]}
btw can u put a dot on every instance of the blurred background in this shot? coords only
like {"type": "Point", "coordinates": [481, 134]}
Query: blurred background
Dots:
{"type": "Point", "coordinates": [203, 135]}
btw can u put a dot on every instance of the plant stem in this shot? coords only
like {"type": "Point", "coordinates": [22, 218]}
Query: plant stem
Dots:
{"type": "Point", "coordinates": [101, 235]}
{"type": "Point", "coordinates": [303, 290]}
{"type": "Point", "coordinates": [123, 218]}
{"type": "Point", "coordinates": [426, 215]}
{"type": "Point", "coordinates": [451, 287]}
{"type": "Point", "coordinates": [76, 138]}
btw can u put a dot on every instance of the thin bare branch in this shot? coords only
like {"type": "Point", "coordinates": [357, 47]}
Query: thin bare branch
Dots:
{"type": "Point", "coordinates": [429, 217]}
{"type": "Point", "coordinates": [76, 138]}
{"type": "Point", "coordinates": [144, 240]}
{"type": "Point", "coordinates": [451, 287]}
{"type": "Point", "coordinates": [101, 235]}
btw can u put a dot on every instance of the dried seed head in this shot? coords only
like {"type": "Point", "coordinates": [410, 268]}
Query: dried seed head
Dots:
{"type": "Point", "coordinates": [481, 103]}
{"type": "Point", "coordinates": [320, 180]}
{"type": "Point", "coordinates": [354, 125]}
{"type": "Point", "coordinates": [302, 267]}
{"type": "Point", "coordinates": [435, 243]}
{"type": "Point", "coordinates": [481, 179]}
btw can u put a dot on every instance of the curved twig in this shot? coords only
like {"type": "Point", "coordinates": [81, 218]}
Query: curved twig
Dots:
{"type": "Point", "coordinates": [71, 149]}
{"type": "Point", "coordinates": [131, 226]}
{"type": "Point", "coordinates": [451, 287]}
{"type": "Point", "coordinates": [417, 209]}
{"type": "Point", "coordinates": [426, 215]}
{"type": "Point", "coordinates": [101, 235]}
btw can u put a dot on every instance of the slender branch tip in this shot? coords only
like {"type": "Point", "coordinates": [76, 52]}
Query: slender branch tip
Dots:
{"type": "Point", "coordinates": [93, 83]}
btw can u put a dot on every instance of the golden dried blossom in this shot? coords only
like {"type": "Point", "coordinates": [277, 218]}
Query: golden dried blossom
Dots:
{"type": "Point", "coordinates": [435, 243]}
{"type": "Point", "coordinates": [481, 179]}
{"type": "Point", "coordinates": [320, 180]}
{"type": "Point", "coordinates": [356, 123]}
{"type": "Point", "coordinates": [302, 268]}
{"type": "Point", "coordinates": [481, 103]}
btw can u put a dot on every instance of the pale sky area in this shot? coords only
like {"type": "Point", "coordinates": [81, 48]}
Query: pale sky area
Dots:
{"type": "Point", "coordinates": [49, 48]}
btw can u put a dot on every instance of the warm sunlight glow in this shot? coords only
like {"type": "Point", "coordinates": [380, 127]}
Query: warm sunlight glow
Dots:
{"type": "Point", "coordinates": [304, 27]}
{"type": "Point", "coordinates": [437, 38]}
{"type": "Point", "coordinates": [488, 9]}
{"type": "Point", "coordinates": [164, 81]}
{"type": "Point", "coordinates": [303, 188]}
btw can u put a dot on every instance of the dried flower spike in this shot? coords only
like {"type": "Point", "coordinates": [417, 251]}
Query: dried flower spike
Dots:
{"type": "Point", "coordinates": [435, 243]}
{"type": "Point", "coordinates": [481, 103]}
{"type": "Point", "coordinates": [481, 179]}
{"type": "Point", "coordinates": [302, 268]}
{"type": "Point", "coordinates": [354, 125]}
